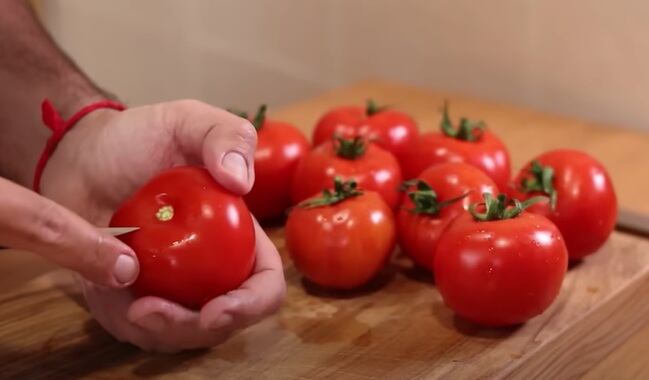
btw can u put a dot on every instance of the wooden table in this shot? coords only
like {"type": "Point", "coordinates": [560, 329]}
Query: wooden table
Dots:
{"type": "Point", "coordinates": [398, 330]}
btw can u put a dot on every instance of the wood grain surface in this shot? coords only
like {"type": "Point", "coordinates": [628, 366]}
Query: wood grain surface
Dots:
{"type": "Point", "coordinates": [396, 328]}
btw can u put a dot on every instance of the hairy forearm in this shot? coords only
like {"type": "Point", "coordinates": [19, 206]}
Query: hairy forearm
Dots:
{"type": "Point", "coordinates": [32, 68]}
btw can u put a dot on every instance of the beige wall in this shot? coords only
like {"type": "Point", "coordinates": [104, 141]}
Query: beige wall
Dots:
{"type": "Point", "coordinates": [586, 58]}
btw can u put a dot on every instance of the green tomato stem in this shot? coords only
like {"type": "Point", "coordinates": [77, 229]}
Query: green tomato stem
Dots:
{"type": "Point", "coordinates": [259, 119]}
{"type": "Point", "coordinates": [342, 190]}
{"type": "Point", "coordinates": [372, 108]}
{"type": "Point", "coordinates": [425, 199]}
{"type": "Point", "coordinates": [540, 180]}
{"type": "Point", "coordinates": [350, 149]}
{"type": "Point", "coordinates": [501, 207]}
{"type": "Point", "coordinates": [467, 130]}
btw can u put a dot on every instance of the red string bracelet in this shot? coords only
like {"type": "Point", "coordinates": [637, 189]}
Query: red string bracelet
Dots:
{"type": "Point", "coordinates": [54, 121]}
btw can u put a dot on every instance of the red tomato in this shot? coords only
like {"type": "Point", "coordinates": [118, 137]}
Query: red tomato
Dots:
{"type": "Point", "coordinates": [392, 130]}
{"type": "Point", "coordinates": [500, 272]}
{"type": "Point", "coordinates": [429, 208]}
{"type": "Point", "coordinates": [342, 239]}
{"type": "Point", "coordinates": [471, 143]}
{"type": "Point", "coordinates": [280, 146]}
{"type": "Point", "coordinates": [585, 204]}
{"type": "Point", "coordinates": [372, 167]}
{"type": "Point", "coordinates": [196, 240]}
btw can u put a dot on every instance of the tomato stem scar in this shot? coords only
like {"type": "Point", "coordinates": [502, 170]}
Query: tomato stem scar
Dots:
{"type": "Point", "coordinates": [165, 213]}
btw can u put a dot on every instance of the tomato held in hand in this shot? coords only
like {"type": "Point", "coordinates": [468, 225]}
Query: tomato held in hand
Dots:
{"type": "Point", "coordinates": [583, 205]}
{"type": "Point", "coordinates": [372, 167]}
{"type": "Point", "coordinates": [196, 240]}
{"type": "Point", "coordinates": [501, 267]}
{"type": "Point", "coordinates": [341, 239]}
{"type": "Point", "coordinates": [471, 143]}
{"type": "Point", "coordinates": [440, 194]}
{"type": "Point", "coordinates": [392, 130]}
{"type": "Point", "coordinates": [280, 146]}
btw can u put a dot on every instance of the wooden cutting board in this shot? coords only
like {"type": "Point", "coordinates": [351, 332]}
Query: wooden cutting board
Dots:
{"type": "Point", "coordinates": [396, 328]}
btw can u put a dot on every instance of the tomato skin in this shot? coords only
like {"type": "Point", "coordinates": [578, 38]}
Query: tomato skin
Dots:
{"type": "Point", "coordinates": [344, 245]}
{"type": "Point", "coordinates": [341, 120]}
{"type": "Point", "coordinates": [206, 249]}
{"type": "Point", "coordinates": [488, 154]}
{"type": "Point", "coordinates": [586, 208]}
{"type": "Point", "coordinates": [418, 234]}
{"type": "Point", "coordinates": [375, 170]}
{"type": "Point", "coordinates": [393, 130]}
{"type": "Point", "coordinates": [503, 272]}
{"type": "Point", "coordinates": [280, 146]}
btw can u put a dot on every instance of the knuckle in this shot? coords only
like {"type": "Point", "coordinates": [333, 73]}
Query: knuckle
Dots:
{"type": "Point", "coordinates": [49, 225]}
{"type": "Point", "coordinates": [97, 261]}
{"type": "Point", "coordinates": [187, 104]}
{"type": "Point", "coordinates": [239, 135]}
{"type": "Point", "coordinates": [247, 133]}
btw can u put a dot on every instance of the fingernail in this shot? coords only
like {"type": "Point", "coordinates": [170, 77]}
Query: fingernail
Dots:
{"type": "Point", "coordinates": [125, 269]}
{"type": "Point", "coordinates": [223, 320]}
{"type": "Point", "coordinates": [235, 163]}
{"type": "Point", "coordinates": [152, 322]}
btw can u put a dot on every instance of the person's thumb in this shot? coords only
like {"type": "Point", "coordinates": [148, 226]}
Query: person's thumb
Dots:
{"type": "Point", "coordinates": [224, 142]}
{"type": "Point", "coordinates": [34, 223]}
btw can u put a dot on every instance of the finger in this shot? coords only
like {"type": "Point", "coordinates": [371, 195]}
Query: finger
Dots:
{"type": "Point", "coordinates": [224, 142]}
{"type": "Point", "coordinates": [173, 326]}
{"type": "Point", "coordinates": [34, 223]}
{"type": "Point", "coordinates": [261, 295]}
{"type": "Point", "coordinates": [155, 314]}
{"type": "Point", "coordinates": [109, 308]}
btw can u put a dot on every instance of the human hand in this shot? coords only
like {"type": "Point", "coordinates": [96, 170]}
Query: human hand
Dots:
{"type": "Point", "coordinates": [155, 324]}
{"type": "Point", "coordinates": [107, 156]}
{"type": "Point", "coordinates": [31, 222]}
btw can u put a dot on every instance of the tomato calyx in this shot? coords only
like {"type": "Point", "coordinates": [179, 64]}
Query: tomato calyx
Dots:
{"type": "Point", "coordinates": [540, 180]}
{"type": "Point", "coordinates": [342, 190]}
{"type": "Point", "coordinates": [260, 117]}
{"type": "Point", "coordinates": [467, 130]}
{"type": "Point", "coordinates": [372, 107]}
{"type": "Point", "coordinates": [501, 207]}
{"type": "Point", "coordinates": [350, 149]}
{"type": "Point", "coordinates": [424, 198]}
{"type": "Point", "coordinates": [258, 120]}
